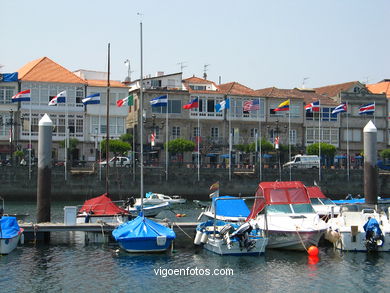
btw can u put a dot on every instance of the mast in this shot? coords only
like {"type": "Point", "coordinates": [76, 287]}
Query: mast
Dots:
{"type": "Point", "coordinates": [108, 120]}
{"type": "Point", "coordinates": [140, 123]}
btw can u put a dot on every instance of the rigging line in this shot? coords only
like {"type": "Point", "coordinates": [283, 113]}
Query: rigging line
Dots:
{"type": "Point", "coordinates": [182, 230]}
{"type": "Point", "coordinates": [300, 238]}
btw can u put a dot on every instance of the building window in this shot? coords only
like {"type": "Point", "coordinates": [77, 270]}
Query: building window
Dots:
{"type": "Point", "coordinates": [253, 132]}
{"type": "Point", "coordinates": [353, 135]}
{"type": "Point", "coordinates": [214, 132]}
{"type": "Point", "coordinates": [326, 115]}
{"type": "Point", "coordinates": [174, 107]}
{"type": "Point", "coordinates": [198, 87]}
{"type": "Point", "coordinates": [79, 95]}
{"type": "Point", "coordinates": [175, 132]}
{"type": "Point", "coordinates": [6, 93]}
{"type": "Point", "coordinates": [293, 137]}
{"type": "Point", "coordinates": [295, 110]}
{"type": "Point", "coordinates": [196, 131]}
{"type": "Point", "coordinates": [328, 135]}
{"type": "Point", "coordinates": [380, 136]}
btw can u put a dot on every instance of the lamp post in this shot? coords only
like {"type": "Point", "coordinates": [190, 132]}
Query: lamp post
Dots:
{"type": "Point", "coordinates": [154, 127]}
{"type": "Point", "coordinates": [13, 124]}
{"type": "Point", "coordinates": [275, 136]}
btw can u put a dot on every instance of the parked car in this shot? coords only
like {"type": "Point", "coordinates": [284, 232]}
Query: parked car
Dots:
{"type": "Point", "coordinates": [119, 162]}
{"type": "Point", "coordinates": [303, 161]}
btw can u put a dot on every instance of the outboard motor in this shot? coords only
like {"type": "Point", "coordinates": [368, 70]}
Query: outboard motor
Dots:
{"type": "Point", "coordinates": [374, 235]}
{"type": "Point", "coordinates": [242, 234]}
{"type": "Point", "coordinates": [129, 202]}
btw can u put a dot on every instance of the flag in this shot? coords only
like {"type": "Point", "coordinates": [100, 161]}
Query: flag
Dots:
{"type": "Point", "coordinates": [214, 186]}
{"type": "Point", "coordinates": [193, 104]}
{"type": "Point", "coordinates": [159, 101]}
{"type": "Point", "coordinates": [252, 105]}
{"type": "Point", "coordinates": [92, 99]}
{"type": "Point", "coordinates": [152, 139]}
{"type": "Point", "coordinates": [60, 98]}
{"type": "Point", "coordinates": [367, 109]}
{"type": "Point", "coordinates": [225, 104]}
{"type": "Point", "coordinates": [22, 96]}
{"type": "Point", "coordinates": [285, 106]}
{"type": "Point", "coordinates": [126, 101]}
{"type": "Point", "coordinates": [276, 142]}
{"type": "Point", "coordinates": [313, 107]}
{"type": "Point", "coordinates": [340, 108]}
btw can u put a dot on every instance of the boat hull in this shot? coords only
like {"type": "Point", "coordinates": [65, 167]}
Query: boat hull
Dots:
{"type": "Point", "coordinates": [149, 211]}
{"type": "Point", "coordinates": [111, 219]}
{"type": "Point", "coordinates": [348, 242]}
{"type": "Point", "coordinates": [293, 240]}
{"type": "Point", "coordinates": [9, 244]}
{"type": "Point", "coordinates": [137, 246]}
{"type": "Point", "coordinates": [218, 246]}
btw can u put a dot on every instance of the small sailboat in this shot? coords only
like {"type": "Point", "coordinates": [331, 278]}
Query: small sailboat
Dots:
{"type": "Point", "coordinates": [10, 234]}
{"type": "Point", "coordinates": [143, 234]}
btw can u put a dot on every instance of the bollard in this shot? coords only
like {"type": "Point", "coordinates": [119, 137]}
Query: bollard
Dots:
{"type": "Point", "coordinates": [370, 164]}
{"type": "Point", "coordinates": [44, 170]}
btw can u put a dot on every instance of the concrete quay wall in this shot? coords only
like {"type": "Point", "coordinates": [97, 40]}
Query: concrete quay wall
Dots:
{"type": "Point", "coordinates": [15, 183]}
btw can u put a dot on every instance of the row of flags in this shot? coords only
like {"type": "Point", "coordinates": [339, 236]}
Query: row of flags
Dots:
{"type": "Point", "coordinates": [252, 105]}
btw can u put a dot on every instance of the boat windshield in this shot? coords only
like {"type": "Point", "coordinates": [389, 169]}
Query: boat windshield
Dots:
{"type": "Point", "coordinates": [305, 208]}
{"type": "Point", "coordinates": [327, 201]}
{"type": "Point", "coordinates": [315, 201]}
{"type": "Point", "coordinates": [280, 208]}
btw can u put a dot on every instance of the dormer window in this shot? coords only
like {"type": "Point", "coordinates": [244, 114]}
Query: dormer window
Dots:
{"type": "Point", "coordinates": [356, 89]}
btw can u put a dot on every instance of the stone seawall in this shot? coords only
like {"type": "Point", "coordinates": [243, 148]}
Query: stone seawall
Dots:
{"type": "Point", "coordinates": [15, 184]}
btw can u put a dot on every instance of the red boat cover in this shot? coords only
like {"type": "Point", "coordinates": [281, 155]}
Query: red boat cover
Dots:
{"type": "Point", "coordinates": [271, 193]}
{"type": "Point", "coordinates": [101, 205]}
{"type": "Point", "coordinates": [315, 192]}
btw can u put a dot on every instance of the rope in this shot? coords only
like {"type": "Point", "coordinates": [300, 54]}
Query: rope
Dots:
{"type": "Point", "coordinates": [182, 230]}
{"type": "Point", "coordinates": [300, 238]}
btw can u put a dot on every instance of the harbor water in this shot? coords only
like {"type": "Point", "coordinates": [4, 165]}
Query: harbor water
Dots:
{"type": "Point", "coordinates": [71, 266]}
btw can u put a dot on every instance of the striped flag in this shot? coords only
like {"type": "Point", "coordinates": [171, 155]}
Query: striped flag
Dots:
{"type": "Point", "coordinates": [22, 96]}
{"type": "Point", "coordinates": [126, 101]}
{"type": "Point", "coordinates": [313, 107]}
{"type": "Point", "coordinates": [60, 98]}
{"type": "Point", "coordinates": [340, 108]}
{"type": "Point", "coordinates": [253, 105]}
{"type": "Point", "coordinates": [367, 109]}
{"type": "Point", "coordinates": [284, 106]}
{"type": "Point", "coordinates": [92, 99]}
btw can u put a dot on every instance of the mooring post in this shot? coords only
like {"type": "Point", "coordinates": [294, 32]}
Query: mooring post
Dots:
{"type": "Point", "coordinates": [44, 170]}
{"type": "Point", "coordinates": [370, 164]}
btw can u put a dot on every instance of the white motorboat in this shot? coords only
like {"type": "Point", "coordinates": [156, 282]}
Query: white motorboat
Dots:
{"type": "Point", "coordinates": [359, 228]}
{"type": "Point", "coordinates": [225, 238]}
{"type": "Point", "coordinates": [284, 210]}
{"type": "Point", "coordinates": [323, 206]}
{"type": "Point", "coordinates": [10, 234]}
{"type": "Point", "coordinates": [152, 198]}
{"type": "Point", "coordinates": [148, 210]}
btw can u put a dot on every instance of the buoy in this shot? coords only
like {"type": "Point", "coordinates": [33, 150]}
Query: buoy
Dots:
{"type": "Point", "coordinates": [312, 250]}
{"type": "Point", "coordinates": [313, 259]}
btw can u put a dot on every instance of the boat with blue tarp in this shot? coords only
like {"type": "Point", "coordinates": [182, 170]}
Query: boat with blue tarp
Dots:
{"type": "Point", "coordinates": [10, 234]}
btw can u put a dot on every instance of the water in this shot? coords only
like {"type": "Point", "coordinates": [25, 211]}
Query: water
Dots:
{"type": "Point", "coordinates": [74, 267]}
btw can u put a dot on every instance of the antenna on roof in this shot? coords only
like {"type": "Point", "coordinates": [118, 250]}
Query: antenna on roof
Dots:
{"type": "Point", "coordinates": [303, 82]}
{"type": "Point", "coordinates": [182, 66]}
{"type": "Point", "coordinates": [205, 70]}
{"type": "Point", "coordinates": [127, 64]}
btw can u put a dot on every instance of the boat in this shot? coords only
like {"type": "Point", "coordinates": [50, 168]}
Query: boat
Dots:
{"type": "Point", "coordinates": [359, 200]}
{"type": "Point", "coordinates": [229, 209]}
{"type": "Point", "coordinates": [359, 227]}
{"type": "Point", "coordinates": [284, 210]}
{"type": "Point", "coordinates": [10, 234]}
{"type": "Point", "coordinates": [102, 209]}
{"type": "Point", "coordinates": [152, 198]}
{"type": "Point", "coordinates": [324, 206]}
{"type": "Point", "coordinates": [149, 210]}
{"type": "Point", "coordinates": [143, 235]}
{"type": "Point", "coordinates": [226, 238]}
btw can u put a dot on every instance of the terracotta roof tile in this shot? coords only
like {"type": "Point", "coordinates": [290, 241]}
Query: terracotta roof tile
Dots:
{"type": "Point", "coordinates": [46, 70]}
{"type": "Point", "coordinates": [308, 96]}
{"type": "Point", "coordinates": [380, 87]}
{"type": "Point", "coordinates": [235, 88]}
{"type": "Point", "coordinates": [103, 83]}
{"type": "Point", "coordinates": [333, 90]}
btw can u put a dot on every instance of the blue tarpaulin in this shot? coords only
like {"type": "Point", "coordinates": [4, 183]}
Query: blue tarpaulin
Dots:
{"type": "Point", "coordinates": [211, 155]}
{"type": "Point", "coordinates": [267, 156]}
{"type": "Point", "coordinates": [340, 157]}
{"type": "Point", "coordinates": [9, 227]}
{"type": "Point", "coordinates": [142, 228]}
{"type": "Point", "coordinates": [231, 207]}
{"type": "Point", "coordinates": [226, 156]}
{"type": "Point", "coordinates": [9, 77]}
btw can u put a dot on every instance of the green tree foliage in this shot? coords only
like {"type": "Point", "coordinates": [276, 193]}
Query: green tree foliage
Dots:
{"type": "Point", "coordinates": [266, 146]}
{"type": "Point", "coordinates": [73, 142]}
{"type": "Point", "coordinates": [385, 154]}
{"type": "Point", "coordinates": [180, 145]}
{"type": "Point", "coordinates": [116, 146]}
{"type": "Point", "coordinates": [326, 149]}
{"type": "Point", "coordinates": [19, 155]}
{"type": "Point", "coordinates": [127, 137]}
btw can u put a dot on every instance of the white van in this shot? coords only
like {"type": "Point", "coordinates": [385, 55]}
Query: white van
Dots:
{"type": "Point", "coordinates": [303, 161]}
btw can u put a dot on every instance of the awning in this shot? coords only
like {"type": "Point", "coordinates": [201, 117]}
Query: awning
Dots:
{"type": "Point", "coordinates": [340, 157]}
{"type": "Point", "coordinates": [267, 156]}
{"type": "Point", "coordinates": [359, 157]}
{"type": "Point", "coordinates": [212, 155]}
{"type": "Point", "coordinates": [226, 156]}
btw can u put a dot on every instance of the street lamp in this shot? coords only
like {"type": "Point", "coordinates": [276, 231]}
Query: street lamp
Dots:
{"type": "Point", "coordinates": [13, 124]}
{"type": "Point", "coordinates": [276, 143]}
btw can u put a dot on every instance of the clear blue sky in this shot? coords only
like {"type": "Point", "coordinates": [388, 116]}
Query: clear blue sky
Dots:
{"type": "Point", "coordinates": [257, 43]}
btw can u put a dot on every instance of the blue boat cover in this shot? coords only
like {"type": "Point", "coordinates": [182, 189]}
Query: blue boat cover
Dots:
{"type": "Point", "coordinates": [372, 225]}
{"type": "Point", "coordinates": [231, 207]}
{"type": "Point", "coordinates": [9, 227]}
{"type": "Point", "coordinates": [142, 228]}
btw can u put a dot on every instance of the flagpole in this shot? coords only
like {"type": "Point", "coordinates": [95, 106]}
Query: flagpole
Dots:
{"type": "Point", "coordinates": [319, 142]}
{"type": "Point", "coordinates": [347, 144]}
{"type": "Point", "coordinates": [66, 137]}
{"type": "Point", "coordinates": [289, 142]}
{"type": "Point", "coordinates": [108, 122]}
{"type": "Point", "coordinates": [140, 123]}
{"type": "Point", "coordinates": [198, 144]}
{"type": "Point", "coordinates": [30, 148]}
{"type": "Point", "coordinates": [374, 113]}
{"type": "Point", "coordinates": [100, 149]}
{"type": "Point", "coordinates": [230, 143]}
{"type": "Point", "coordinates": [260, 160]}
{"type": "Point", "coordinates": [167, 138]}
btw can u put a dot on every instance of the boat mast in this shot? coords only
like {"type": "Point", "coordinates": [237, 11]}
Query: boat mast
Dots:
{"type": "Point", "coordinates": [140, 122]}
{"type": "Point", "coordinates": [108, 119]}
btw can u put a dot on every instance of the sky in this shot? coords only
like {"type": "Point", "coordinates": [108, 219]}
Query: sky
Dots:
{"type": "Point", "coordinates": [257, 43]}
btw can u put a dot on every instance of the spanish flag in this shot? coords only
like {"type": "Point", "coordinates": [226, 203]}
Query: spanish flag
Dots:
{"type": "Point", "coordinates": [285, 106]}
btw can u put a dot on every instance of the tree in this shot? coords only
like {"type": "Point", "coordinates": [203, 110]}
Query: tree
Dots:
{"type": "Point", "coordinates": [73, 142]}
{"type": "Point", "coordinates": [118, 147]}
{"type": "Point", "coordinates": [385, 154]}
{"type": "Point", "coordinates": [180, 145]}
{"type": "Point", "coordinates": [327, 151]}
{"type": "Point", "coordinates": [127, 137]}
{"type": "Point", "coordinates": [19, 155]}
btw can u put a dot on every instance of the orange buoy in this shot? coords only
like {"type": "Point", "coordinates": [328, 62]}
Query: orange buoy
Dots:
{"type": "Point", "coordinates": [313, 259]}
{"type": "Point", "coordinates": [312, 250]}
